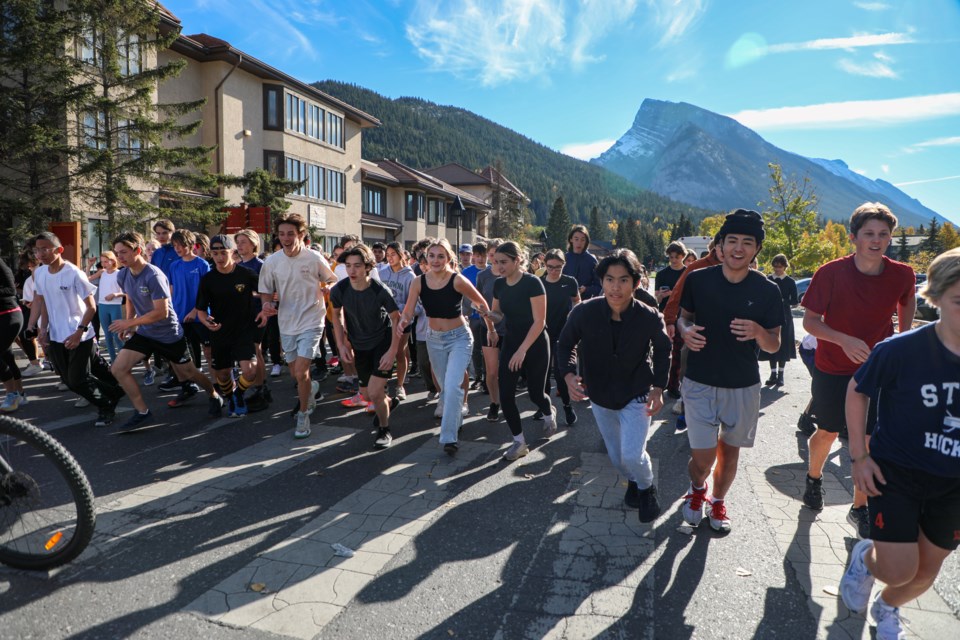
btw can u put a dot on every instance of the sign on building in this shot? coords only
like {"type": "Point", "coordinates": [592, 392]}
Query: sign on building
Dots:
{"type": "Point", "coordinates": [317, 216]}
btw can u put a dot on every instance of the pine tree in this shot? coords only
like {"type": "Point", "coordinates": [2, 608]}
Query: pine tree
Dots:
{"type": "Point", "coordinates": [37, 87]}
{"type": "Point", "coordinates": [932, 242]}
{"type": "Point", "coordinates": [903, 251]}
{"type": "Point", "coordinates": [558, 225]}
{"type": "Point", "coordinates": [136, 164]}
{"type": "Point", "coordinates": [598, 228]}
{"type": "Point", "coordinates": [264, 189]}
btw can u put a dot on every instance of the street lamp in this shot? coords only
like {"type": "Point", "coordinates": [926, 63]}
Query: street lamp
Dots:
{"type": "Point", "coordinates": [457, 209]}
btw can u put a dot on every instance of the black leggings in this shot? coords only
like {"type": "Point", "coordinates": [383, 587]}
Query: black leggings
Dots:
{"type": "Point", "coordinates": [535, 366]}
{"type": "Point", "coordinates": [28, 345]}
{"type": "Point", "coordinates": [561, 383]}
{"type": "Point", "coordinates": [10, 325]}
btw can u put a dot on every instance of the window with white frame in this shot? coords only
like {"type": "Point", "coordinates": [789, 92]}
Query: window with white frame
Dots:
{"type": "Point", "coordinates": [335, 130]}
{"type": "Point", "coordinates": [128, 49]}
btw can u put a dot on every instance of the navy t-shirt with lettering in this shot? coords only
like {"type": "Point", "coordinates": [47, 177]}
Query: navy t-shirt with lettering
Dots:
{"type": "Point", "coordinates": [918, 415]}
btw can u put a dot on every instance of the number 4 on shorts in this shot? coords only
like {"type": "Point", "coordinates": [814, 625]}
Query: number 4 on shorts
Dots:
{"type": "Point", "coordinates": [878, 521]}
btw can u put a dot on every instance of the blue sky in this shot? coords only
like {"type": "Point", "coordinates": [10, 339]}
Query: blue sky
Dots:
{"type": "Point", "coordinates": [873, 82]}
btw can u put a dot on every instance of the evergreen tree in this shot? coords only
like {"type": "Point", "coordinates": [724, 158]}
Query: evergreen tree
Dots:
{"type": "Point", "coordinates": [932, 242]}
{"type": "Point", "coordinates": [264, 189]}
{"type": "Point", "coordinates": [37, 87]}
{"type": "Point", "coordinates": [903, 251]}
{"type": "Point", "coordinates": [558, 225]}
{"type": "Point", "coordinates": [621, 241]}
{"type": "Point", "coordinates": [134, 147]}
{"type": "Point", "coordinates": [598, 228]}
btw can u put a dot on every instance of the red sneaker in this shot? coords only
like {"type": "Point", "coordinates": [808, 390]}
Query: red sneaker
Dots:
{"type": "Point", "coordinates": [693, 505]}
{"type": "Point", "coordinates": [717, 511]}
{"type": "Point", "coordinates": [354, 402]}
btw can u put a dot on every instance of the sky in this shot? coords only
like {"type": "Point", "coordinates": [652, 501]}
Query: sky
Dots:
{"type": "Point", "coordinates": [875, 83]}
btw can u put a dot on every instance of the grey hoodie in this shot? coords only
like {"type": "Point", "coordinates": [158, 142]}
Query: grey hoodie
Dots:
{"type": "Point", "coordinates": [398, 282]}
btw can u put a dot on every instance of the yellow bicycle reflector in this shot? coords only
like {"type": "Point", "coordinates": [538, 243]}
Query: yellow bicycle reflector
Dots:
{"type": "Point", "coordinates": [53, 541]}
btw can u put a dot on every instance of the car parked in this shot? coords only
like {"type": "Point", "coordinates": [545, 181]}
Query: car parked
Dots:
{"type": "Point", "coordinates": [802, 285]}
{"type": "Point", "coordinates": [925, 311]}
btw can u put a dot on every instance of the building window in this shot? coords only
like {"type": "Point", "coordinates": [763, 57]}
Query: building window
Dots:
{"type": "Point", "coordinates": [127, 143]}
{"type": "Point", "coordinates": [435, 211]}
{"type": "Point", "coordinates": [296, 171]}
{"type": "Point", "coordinates": [414, 205]}
{"type": "Point", "coordinates": [314, 181]}
{"type": "Point", "coordinates": [315, 127]}
{"type": "Point", "coordinates": [88, 48]}
{"type": "Point", "coordinates": [273, 163]}
{"type": "Point", "coordinates": [128, 49]}
{"type": "Point", "coordinates": [296, 114]}
{"type": "Point", "coordinates": [468, 219]}
{"type": "Point", "coordinates": [374, 200]}
{"type": "Point", "coordinates": [272, 107]}
{"type": "Point", "coordinates": [336, 182]}
{"type": "Point", "coordinates": [94, 127]}
{"type": "Point", "coordinates": [335, 130]}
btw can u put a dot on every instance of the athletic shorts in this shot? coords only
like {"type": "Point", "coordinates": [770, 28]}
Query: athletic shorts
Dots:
{"type": "Point", "coordinates": [368, 362]}
{"type": "Point", "coordinates": [829, 394]}
{"type": "Point", "coordinates": [195, 330]}
{"type": "Point", "coordinates": [175, 352]}
{"type": "Point", "coordinates": [714, 413]}
{"type": "Point", "coordinates": [301, 345]}
{"type": "Point", "coordinates": [914, 501]}
{"type": "Point", "coordinates": [233, 349]}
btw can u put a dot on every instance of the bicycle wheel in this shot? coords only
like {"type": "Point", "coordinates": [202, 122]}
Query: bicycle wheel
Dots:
{"type": "Point", "coordinates": [46, 504]}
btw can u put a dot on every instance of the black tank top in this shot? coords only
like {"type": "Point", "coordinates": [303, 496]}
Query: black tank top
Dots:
{"type": "Point", "coordinates": [443, 302]}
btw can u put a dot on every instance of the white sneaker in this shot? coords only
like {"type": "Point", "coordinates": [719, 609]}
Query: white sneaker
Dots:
{"type": "Point", "coordinates": [81, 403]}
{"type": "Point", "coordinates": [464, 411]}
{"type": "Point", "coordinates": [550, 422]}
{"type": "Point", "coordinates": [401, 393]}
{"type": "Point", "coordinates": [677, 407]}
{"type": "Point", "coordinates": [888, 621]}
{"type": "Point", "coordinates": [344, 378]}
{"type": "Point", "coordinates": [856, 584]}
{"type": "Point", "coordinates": [275, 371]}
{"type": "Point", "coordinates": [31, 370]}
{"type": "Point", "coordinates": [433, 395]}
{"type": "Point", "coordinates": [438, 412]}
{"type": "Point", "coordinates": [303, 425]}
{"type": "Point", "coordinates": [516, 451]}
{"type": "Point", "coordinates": [11, 402]}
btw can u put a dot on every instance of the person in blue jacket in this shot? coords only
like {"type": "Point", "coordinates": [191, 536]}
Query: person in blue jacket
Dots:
{"type": "Point", "coordinates": [581, 264]}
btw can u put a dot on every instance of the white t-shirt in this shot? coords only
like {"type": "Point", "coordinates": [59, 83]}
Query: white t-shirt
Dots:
{"type": "Point", "coordinates": [297, 281]}
{"type": "Point", "coordinates": [108, 284]}
{"type": "Point", "coordinates": [63, 294]}
{"type": "Point", "coordinates": [28, 289]}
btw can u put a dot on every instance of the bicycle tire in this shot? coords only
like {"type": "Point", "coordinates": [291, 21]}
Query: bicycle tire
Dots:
{"type": "Point", "coordinates": [81, 494]}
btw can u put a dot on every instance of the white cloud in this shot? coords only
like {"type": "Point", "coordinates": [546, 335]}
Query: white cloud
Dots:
{"type": "Point", "coordinates": [686, 70]}
{"type": "Point", "coordinates": [852, 42]}
{"type": "Point", "coordinates": [855, 113]}
{"type": "Point", "coordinates": [500, 41]}
{"type": "Point", "coordinates": [587, 150]}
{"type": "Point", "coordinates": [944, 179]}
{"type": "Point", "coordinates": [885, 168]}
{"type": "Point", "coordinates": [939, 142]}
{"type": "Point", "coordinates": [872, 6]}
{"type": "Point", "coordinates": [874, 69]}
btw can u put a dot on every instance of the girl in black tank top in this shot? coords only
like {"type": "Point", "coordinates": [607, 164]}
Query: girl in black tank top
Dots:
{"type": "Point", "coordinates": [444, 302]}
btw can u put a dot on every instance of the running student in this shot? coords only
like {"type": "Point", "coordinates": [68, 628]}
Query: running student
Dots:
{"type": "Point", "coordinates": [849, 308]}
{"type": "Point", "coordinates": [522, 301]}
{"type": "Point", "coordinates": [490, 336]}
{"type": "Point", "coordinates": [612, 335]}
{"type": "Point", "coordinates": [295, 274]}
{"type": "Point", "coordinates": [151, 326]}
{"type": "Point", "coordinates": [727, 312]}
{"type": "Point", "coordinates": [449, 342]}
{"type": "Point", "coordinates": [184, 277]}
{"type": "Point", "coordinates": [581, 264]}
{"type": "Point", "coordinates": [369, 343]}
{"type": "Point", "coordinates": [397, 277]}
{"type": "Point", "coordinates": [562, 296]}
{"type": "Point", "coordinates": [910, 472]}
{"type": "Point", "coordinates": [248, 246]}
{"type": "Point", "coordinates": [229, 291]}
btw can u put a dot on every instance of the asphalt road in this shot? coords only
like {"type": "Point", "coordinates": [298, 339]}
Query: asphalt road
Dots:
{"type": "Point", "coordinates": [224, 529]}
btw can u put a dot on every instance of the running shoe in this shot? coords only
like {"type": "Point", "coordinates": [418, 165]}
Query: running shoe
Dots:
{"type": "Point", "coordinates": [215, 406]}
{"type": "Point", "coordinates": [432, 395]}
{"type": "Point", "coordinates": [237, 405]}
{"type": "Point", "coordinates": [493, 415]}
{"type": "Point", "coordinates": [81, 403]}
{"type": "Point", "coordinates": [813, 495]}
{"type": "Point", "coordinates": [11, 402]}
{"type": "Point", "coordinates": [681, 425]}
{"type": "Point", "coordinates": [516, 451]}
{"type": "Point", "coordinates": [63, 387]}
{"type": "Point", "coordinates": [354, 402]}
{"type": "Point", "coordinates": [860, 519]}
{"type": "Point", "coordinates": [401, 393]}
{"type": "Point", "coordinates": [344, 378]}
{"type": "Point", "coordinates": [438, 412]}
{"type": "Point", "coordinates": [677, 407]}
{"type": "Point", "coordinates": [451, 448]}
{"type": "Point", "coordinates": [550, 422]}
{"type": "Point", "coordinates": [648, 508]}
{"type": "Point", "coordinates": [632, 497]}
{"type": "Point", "coordinates": [275, 371]}
{"type": "Point", "coordinates": [476, 384]}
{"type": "Point", "coordinates": [693, 505]}
{"type": "Point", "coordinates": [149, 377]}
{"type": "Point", "coordinates": [806, 425]}
{"type": "Point", "coordinates": [538, 416]}
{"type": "Point", "coordinates": [857, 582]}
{"type": "Point", "coordinates": [170, 384]}
{"type": "Point", "coordinates": [348, 387]}
{"type": "Point", "coordinates": [334, 362]}
{"type": "Point", "coordinates": [465, 411]}
{"type": "Point", "coordinates": [569, 414]}
{"type": "Point", "coordinates": [303, 425]}
{"type": "Point", "coordinates": [257, 401]}
{"type": "Point", "coordinates": [888, 620]}
{"type": "Point", "coordinates": [136, 421]}
{"type": "Point", "coordinates": [371, 408]}
{"type": "Point", "coordinates": [31, 370]}
{"type": "Point", "coordinates": [717, 512]}
{"type": "Point", "coordinates": [384, 439]}
{"type": "Point", "coordinates": [185, 394]}
{"type": "Point", "coordinates": [105, 416]}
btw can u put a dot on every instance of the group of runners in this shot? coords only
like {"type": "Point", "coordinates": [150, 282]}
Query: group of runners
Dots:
{"type": "Point", "coordinates": [589, 324]}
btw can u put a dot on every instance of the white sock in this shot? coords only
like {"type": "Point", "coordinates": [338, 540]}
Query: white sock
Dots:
{"type": "Point", "coordinates": [519, 439]}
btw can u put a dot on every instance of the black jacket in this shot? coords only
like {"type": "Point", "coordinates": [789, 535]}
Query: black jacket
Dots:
{"type": "Point", "coordinates": [614, 377]}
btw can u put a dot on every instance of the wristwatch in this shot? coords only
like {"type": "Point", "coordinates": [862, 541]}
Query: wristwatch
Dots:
{"type": "Point", "coordinates": [82, 327]}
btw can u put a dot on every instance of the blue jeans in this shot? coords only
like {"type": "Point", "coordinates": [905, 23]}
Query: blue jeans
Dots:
{"type": "Point", "coordinates": [450, 353]}
{"type": "Point", "coordinates": [625, 434]}
{"type": "Point", "coordinates": [108, 313]}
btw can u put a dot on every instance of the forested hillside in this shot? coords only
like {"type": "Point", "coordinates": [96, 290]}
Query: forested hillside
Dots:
{"type": "Point", "coordinates": [423, 135]}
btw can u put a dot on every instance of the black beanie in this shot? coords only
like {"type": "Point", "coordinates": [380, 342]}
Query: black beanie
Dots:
{"type": "Point", "coordinates": [745, 222]}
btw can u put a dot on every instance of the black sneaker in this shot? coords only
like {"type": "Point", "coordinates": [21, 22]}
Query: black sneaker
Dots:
{"type": "Point", "coordinates": [215, 407]}
{"type": "Point", "coordinates": [649, 507]}
{"type": "Point", "coordinates": [451, 448]}
{"type": "Point", "coordinates": [806, 425]}
{"type": "Point", "coordinates": [136, 421]}
{"type": "Point", "coordinates": [569, 414]}
{"type": "Point", "coordinates": [538, 415]}
{"type": "Point", "coordinates": [772, 380]}
{"type": "Point", "coordinates": [257, 401]}
{"type": "Point", "coordinates": [632, 497]}
{"type": "Point", "coordinates": [186, 392]}
{"type": "Point", "coordinates": [493, 415]}
{"type": "Point", "coordinates": [780, 382]}
{"type": "Point", "coordinates": [476, 384]}
{"type": "Point", "coordinates": [384, 439]}
{"type": "Point", "coordinates": [170, 384]}
{"type": "Point", "coordinates": [105, 416]}
{"type": "Point", "coordinates": [813, 496]}
{"type": "Point", "coordinates": [860, 519]}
